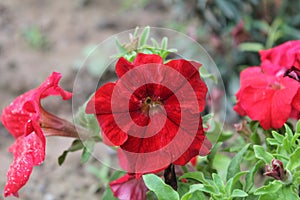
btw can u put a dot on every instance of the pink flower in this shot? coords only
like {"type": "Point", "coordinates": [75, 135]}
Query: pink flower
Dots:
{"type": "Point", "coordinates": [28, 122]}
{"type": "Point", "coordinates": [129, 187]}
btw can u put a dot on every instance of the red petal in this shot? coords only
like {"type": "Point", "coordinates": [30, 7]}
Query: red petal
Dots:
{"type": "Point", "coordinates": [111, 130]}
{"type": "Point", "coordinates": [142, 59]}
{"type": "Point", "coordinates": [129, 188]}
{"type": "Point", "coordinates": [28, 151]}
{"type": "Point", "coordinates": [123, 66]}
{"type": "Point", "coordinates": [186, 68]}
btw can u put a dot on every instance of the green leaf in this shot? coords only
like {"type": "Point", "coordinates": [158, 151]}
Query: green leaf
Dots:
{"type": "Point", "coordinates": [250, 176]}
{"type": "Point", "coordinates": [294, 161]}
{"type": "Point", "coordinates": [278, 137]}
{"type": "Point", "coordinates": [144, 36]}
{"type": "Point", "coordinates": [234, 166]}
{"type": "Point", "coordinates": [75, 146]}
{"type": "Point", "coordinates": [120, 48]}
{"type": "Point", "coordinates": [272, 187]}
{"type": "Point", "coordinates": [155, 44]}
{"type": "Point", "coordinates": [232, 181]}
{"type": "Point", "coordinates": [298, 127]}
{"type": "Point", "coordinates": [205, 74]}
{"type": "Point", "coordinates": [162, 190]}
{"type": "Point", "coordinates": [262, 154]}
{"type": "Point", "coordinates": [193, 194]}
{"type": "Point", "coordinates": [238, 193]}
{"type": "Point", "coordinates": [218, 182]}
{"type": "Point", "coordinates": [251, 46]}
{"type": "Point", "coordinates": [198, 176]}
{"type": "Point", "coordinates": [87, 150]}
{"type": "Point", "coordinates": [290, 193]}
{"type": "Point", "coordinates": [164, 43]}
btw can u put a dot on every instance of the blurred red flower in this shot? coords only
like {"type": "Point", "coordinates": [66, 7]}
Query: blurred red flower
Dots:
{"type": "Point", "coordinates": [270, 93]}
{"type": "Point", "coordinates": [144, 114]}
{"type": "Point", "coordinates": [27, 121]}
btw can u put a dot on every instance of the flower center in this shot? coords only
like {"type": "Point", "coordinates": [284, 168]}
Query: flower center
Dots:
{"type": "Point", "coordinates": [150, 105]}
{"type": "Point", "coordinates": [293, 73]}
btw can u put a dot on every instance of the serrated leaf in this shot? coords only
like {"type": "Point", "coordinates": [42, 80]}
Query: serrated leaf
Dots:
{"type": "Point", "coordinates": [234, 166]}
{"type": "Point", "coordinates": [238, 193]}
{"type": "Point", "coordinates": [272, 187]}
{"type": "Point", "coordinates": [262, 154]}
{"type": "Point", "coordinates": [162, 190]}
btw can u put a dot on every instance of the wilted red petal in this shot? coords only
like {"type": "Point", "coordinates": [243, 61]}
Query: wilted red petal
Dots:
{"type": "Point", "coordinates": [28, 151]}
{"type": "Point", "coordinates": [129, 188]}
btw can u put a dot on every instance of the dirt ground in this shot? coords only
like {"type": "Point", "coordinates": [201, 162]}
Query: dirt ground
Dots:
{"type": "Point", "coordinates": [69, 27]}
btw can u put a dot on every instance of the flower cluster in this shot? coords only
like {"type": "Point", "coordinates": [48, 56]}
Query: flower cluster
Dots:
{"type": "Point", "coordinates": [158, 124]}
{"type": "Point", "coordinates": [29, 123]}
{"type": "Point", "coordinates": [270, 93]}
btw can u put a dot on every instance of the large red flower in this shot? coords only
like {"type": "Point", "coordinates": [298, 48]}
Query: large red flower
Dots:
{"type": "Point", "coordinates": [152, 112]}
{"type": "Point", "coordinates": [27, 121]}
{"type": "Point", "coordinates": [271, 93]}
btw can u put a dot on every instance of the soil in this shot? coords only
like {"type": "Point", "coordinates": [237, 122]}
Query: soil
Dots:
{"type": "Point", "coordinates": [68, 26]}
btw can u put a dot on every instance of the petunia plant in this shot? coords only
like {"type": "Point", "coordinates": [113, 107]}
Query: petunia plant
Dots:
{"type": "Point", "coordinates": [155, 115]}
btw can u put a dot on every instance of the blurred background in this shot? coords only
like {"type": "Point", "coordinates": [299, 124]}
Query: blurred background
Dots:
{"type": "Point", "coordinates": [41, 36]}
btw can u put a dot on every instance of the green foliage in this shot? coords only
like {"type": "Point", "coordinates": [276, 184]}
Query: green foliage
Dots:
{"type": "Point", "coordinates": [161, 190]}
{"type": "Point", "coordinates": [139, 43]}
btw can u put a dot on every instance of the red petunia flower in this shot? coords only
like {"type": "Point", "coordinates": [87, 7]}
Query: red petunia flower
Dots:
{"type": "Point", "coordinates": [28, 122]}
{"type": "Point", "coordinates": [271, 93]}
{"type": "Point", "coordinates": [152, 112]}
{"type": "Point", "coordinates": [268, 99]}
{"type": "Point", "coordinates": [129, 187]}
{"type": "Point", "coordinates": [281, 58]}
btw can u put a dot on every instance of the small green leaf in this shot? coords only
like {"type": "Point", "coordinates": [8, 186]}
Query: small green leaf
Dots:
{"type": "Point", "coordinates": [218, 182]}
{"type": "Point", "coordinates": [234, 166]}
{"type": "Point", "coordinates": [251, 46]}
{"type": "Point", "coordinates": [272, 187]}
{"type": "Point", "coordinates": [164, 43]}
{"type": "Point", "coordinates": [120, 47]}
{"type": "Point", "coordinates": [144, 36]}
{"type": "Point", "coordinates": [298, 127]}
{"type": "Point", "coordinates": [87, 150]}
{"type": "Point", "coordinates": [198, 176]}
{"type": "Point", "coordinates": [294, 161]}
{"type": "Point", "coordinates": [250, 176]}
{"type": "Point", "coordinates": [262, 154]}
{"type": "Point", "coordinates": [238, 193]}
{"type": "Point", "coordinates": [155, 44]}
{"type": "Point", "coordinates": [162, 190]}
{"type": "Point", "coordinates": [193, 194]}
{"type": "Point", "coordinates": [278, 136]}
{"type": "Point", "coordinates": [75, 146]}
